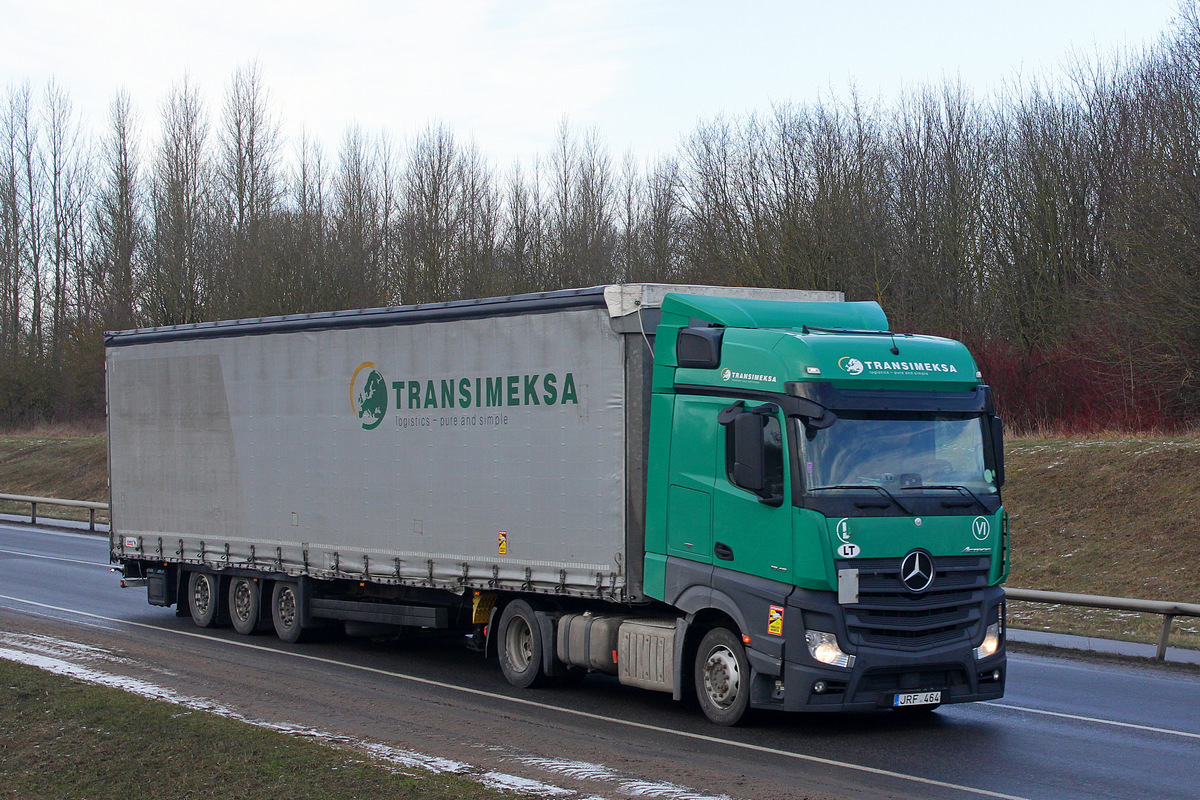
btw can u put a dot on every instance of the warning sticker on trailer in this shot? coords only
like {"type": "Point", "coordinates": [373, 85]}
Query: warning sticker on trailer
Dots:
{"type": "Point", "coordinates": [502, 542]}
{"type": "Point", "coordinates": [775, 621]}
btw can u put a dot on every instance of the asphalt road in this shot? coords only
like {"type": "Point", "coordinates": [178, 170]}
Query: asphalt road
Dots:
{"type": "Point", "coordinates": [1067, 728]}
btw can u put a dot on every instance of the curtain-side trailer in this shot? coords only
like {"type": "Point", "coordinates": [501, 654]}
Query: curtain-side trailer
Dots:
{"type": "Point", "coordinates": [765, 497]}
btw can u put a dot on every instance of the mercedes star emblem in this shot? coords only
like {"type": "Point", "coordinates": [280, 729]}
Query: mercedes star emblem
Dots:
{"type": "Point", "coordinates": [916, 571]}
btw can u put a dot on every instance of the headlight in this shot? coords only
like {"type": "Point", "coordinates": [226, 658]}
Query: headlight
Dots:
{"type": "Point", "coordinates": [991, 642]}
{"type": "Point", "coordinates": [824, 648]}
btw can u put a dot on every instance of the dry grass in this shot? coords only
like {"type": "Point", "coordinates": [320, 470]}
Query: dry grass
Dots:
{"type": "Point", "coordinates": [61, 738]}
{"type": "Point", "coordinates": [69, 462]}
{"type": "Point", "coordinates": [1112, 515]}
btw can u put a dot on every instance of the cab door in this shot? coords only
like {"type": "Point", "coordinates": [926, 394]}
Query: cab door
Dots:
{"type": "Point", "coordinates": [751, 512]}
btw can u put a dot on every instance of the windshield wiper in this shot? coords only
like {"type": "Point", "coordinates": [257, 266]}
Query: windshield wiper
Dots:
{"type": "Point", "coordinates": [949, 486]}
{"type": "Point", "coordinates": [872, 486]}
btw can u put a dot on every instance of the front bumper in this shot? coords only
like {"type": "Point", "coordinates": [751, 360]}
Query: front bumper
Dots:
{"type": "Point", "coordinates": [798, 682]}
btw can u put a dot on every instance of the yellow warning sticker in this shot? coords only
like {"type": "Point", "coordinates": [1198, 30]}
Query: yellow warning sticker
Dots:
{"type": "Point", "coordinates": [775, 621]}
{"type": "Point", "coordinates": [503, 542]}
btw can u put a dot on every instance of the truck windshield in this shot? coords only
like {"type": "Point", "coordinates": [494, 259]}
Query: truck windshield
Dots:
{"type": "Point", "coordinates": [898, 452]}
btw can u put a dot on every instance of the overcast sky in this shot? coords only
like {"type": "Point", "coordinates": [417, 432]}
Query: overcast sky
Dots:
{"type": "Point", "coordinates": [507, 72]}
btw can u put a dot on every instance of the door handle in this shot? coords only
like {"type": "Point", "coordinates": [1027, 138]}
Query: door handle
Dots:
{"type": "Point", "coordinates": [723, 551]}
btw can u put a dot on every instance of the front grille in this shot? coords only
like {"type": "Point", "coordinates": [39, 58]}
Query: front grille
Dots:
{"type": "Point", "coordinates": [888, 615]}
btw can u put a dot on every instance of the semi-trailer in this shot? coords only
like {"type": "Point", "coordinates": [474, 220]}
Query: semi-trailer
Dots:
{"type": "Point", "coordinates": [765, 497]}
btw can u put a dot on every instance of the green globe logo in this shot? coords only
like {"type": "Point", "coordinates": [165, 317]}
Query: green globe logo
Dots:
{"type": "Point", "coordinates": [368, 395]}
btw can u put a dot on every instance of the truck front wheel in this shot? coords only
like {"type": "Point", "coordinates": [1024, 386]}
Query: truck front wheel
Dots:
{"type": "Point", "coordinates": [244, 604]}
{"type": "Point", "coordinates": [520, 646]}
{"type": "Point", "coordinates": [722, 677]}
{"type": "Point", "coordinates": [204, 598]}
{"type": "Point", "coordinates": [286, 612]}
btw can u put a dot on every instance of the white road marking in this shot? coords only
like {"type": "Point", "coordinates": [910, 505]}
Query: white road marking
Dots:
{"type": "Point", "coordinates": [1097, 720]}
{"type": "Point", "coordinates": [543, 706]}
{"type": "Point", "coordinates": [57, 558]}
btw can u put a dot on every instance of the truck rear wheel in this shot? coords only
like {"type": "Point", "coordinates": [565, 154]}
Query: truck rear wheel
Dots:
{"type": "Point", "coordinates": [722, 677]}
{"type": "Point", "coordinates": [286, 612]}
{"type": "Point", "coordinates": [520, 646]}
{"type": "Point", "coordinates": [244, 604]}
{"type": "Point", "coordinates": [204, 598]}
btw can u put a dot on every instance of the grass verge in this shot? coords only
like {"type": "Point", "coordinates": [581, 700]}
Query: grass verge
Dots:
{"type": "Point", "coordinates": [1117, 515]}
{"type": "Point", "coordinates": [63, 738]}
{"type": "Point", "coordinates": [68, 463]}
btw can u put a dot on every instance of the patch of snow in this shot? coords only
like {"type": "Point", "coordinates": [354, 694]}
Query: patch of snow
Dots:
{"type": "Point", "coordinates": [583, 771]}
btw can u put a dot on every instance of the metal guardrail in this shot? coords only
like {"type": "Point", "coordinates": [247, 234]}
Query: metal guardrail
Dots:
{"type": "Point", "coordinates": [1169, 611]}
{"type": "Point", "coordinates": [34, 502]}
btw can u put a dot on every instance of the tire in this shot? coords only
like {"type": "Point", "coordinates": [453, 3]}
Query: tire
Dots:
{"type": "Point", "coordinates": [245, 604]}
{"type": "Point", "coordinates": [287, 612]}
{"type": "Point", "coordinates": [520, 646]}
{"type": "Point", "coordinates": [204, 599]}
{"type": "Point", "coordinates": [722, 676]}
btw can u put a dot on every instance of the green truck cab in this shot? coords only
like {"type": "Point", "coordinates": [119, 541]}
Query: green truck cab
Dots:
{"type": "Point", "coordinates": [831, 490]}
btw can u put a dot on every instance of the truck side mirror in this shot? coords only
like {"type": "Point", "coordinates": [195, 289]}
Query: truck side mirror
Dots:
{"type": "Point", "coordinates": [748, 452]}
{"type": "Point", "coordinates": [998, 450]}
{"type": "Point", "coordinates": [751, 462]}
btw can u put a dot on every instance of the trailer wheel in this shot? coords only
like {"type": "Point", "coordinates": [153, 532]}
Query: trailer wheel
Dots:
{"type": "Point", "coordinates": [204, 598]}
{"type": "Point", "coordinates": [722, 677]}
{"type": "Point", "coordinates": [286, 612]}
{"type": "Point", "coordinates": [520, 646]}
{"type": "Point", "coordinates": [244, 604]}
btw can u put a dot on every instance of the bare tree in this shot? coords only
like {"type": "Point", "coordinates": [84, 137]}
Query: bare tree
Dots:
{"type": "Point", "coordinates": [247, 171]}
{"type": "Point", "coordinates": [179, 269]}
{"type": "Point", "coordinates": [68, 176]}
{"type": "Point", "coordinates": [433, 216]}
{"type": "Point", "coordinates": [581, 229]}
{"type": "Point", "coordinates": [355, 246]}
{"type": "Point", "coordinates": [522, 259]}
{"type": "Point", "coordinates": [119, 227]}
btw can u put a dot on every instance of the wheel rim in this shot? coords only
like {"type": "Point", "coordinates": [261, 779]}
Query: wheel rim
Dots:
{"type": "Point", "coordinates": [202, 595]}
{"type": "Point", "coordinates": [722, 677]}
{"type": "Point", "coordinates": [241, 599]}
{"type": "Point", "coordinates": [286, 608]}
{"type": "Point", "coordinates": [519, 644]}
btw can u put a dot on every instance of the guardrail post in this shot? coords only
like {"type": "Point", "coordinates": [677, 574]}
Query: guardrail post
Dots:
{"type": "Point", "coordinates": [1164, 637]}
{"type": "Point", "coordinates": [92, 520]}
{"type": "Point", "coordinates": [33, 513]}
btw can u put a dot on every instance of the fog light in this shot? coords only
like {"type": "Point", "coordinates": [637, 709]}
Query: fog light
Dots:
{"type": "Point", "coordinates": [819, 687]}
{"type": "Point", "coordinates": [824, 648]}
{"type": "Point", "coordinates": [991, 642]}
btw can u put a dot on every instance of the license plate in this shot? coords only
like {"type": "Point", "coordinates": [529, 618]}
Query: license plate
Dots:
{"type": "Point", "coordinates": [916, 699]}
